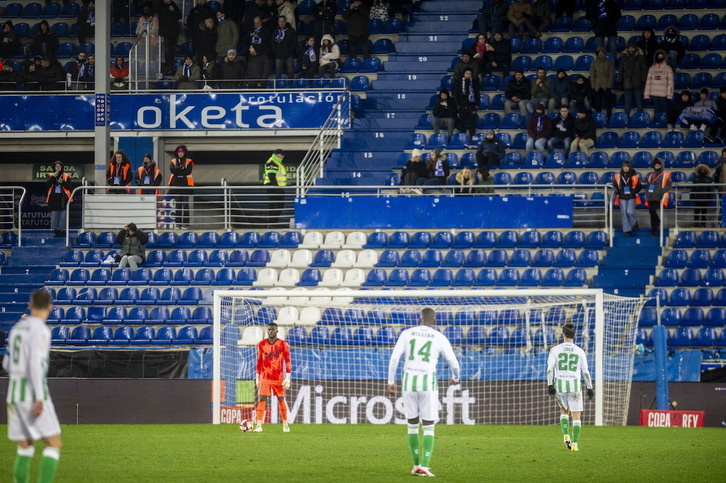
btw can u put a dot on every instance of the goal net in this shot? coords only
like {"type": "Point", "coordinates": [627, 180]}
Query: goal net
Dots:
{"type": "Point", "coordinates": [341, 342]}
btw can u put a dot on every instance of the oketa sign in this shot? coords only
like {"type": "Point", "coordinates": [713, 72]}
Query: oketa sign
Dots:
{"type": "Point", "coordinates": [152, 112]}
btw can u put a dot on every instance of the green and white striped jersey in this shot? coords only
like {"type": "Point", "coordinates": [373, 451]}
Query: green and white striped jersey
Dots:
{"type": "Point", "coordinates": [421, 348]}
{"type": "Point", "coordinates": [566, 366]}
{"type": "Point", "coordinates": [27, 361]}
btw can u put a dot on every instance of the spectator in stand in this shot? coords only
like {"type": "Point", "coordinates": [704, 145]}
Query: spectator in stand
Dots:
{"type": "Point", "coordinates": [169, 17]}
{"type": "Point", "coordinates": [208, 70]}
{"type": "Point", "coordinates": [683, 102]}
{"type": "Point", "coordinates": [309, 61]}
{"type": "Point", "coordinates": [181, 167]}
{"type": "Point", "coordinates": [188, 74]}
{"type": "Point", "coordinates": [485, 182]}
{"type": "Point", "coordinates": [119, 74]}
{"type": "Point", "coordinates": [284, 46]}
{"type": "Point", "coordinates": [721, 105]}
{"type": "Point", "coordinates": [604, 15]}
{"type": "Point", "coordinates": [357, 17]}
{"type": "Point", "coordinates": [584, 131]}
{"type": "Point", "coordinates": [659, 83]}
{"type": "Point", "coordinates": [499, 55]}
{"type": "Point", "coordinates": [329, 56]}
{"type": "Point", "coordinates": [719, 173]}
{"type": "Point", "coordinates": [10, 43]}
{"type": "Point", "coordinates": [703, 116]}
{"type": "Point", "coordinates": [196, 17]}
{"type": "Point", "coordinates": [479, 49]}
{"type": "Point", "coordinates": [559, 91]}
{"type": "Point", "coordinates": [565, 8]}
{"type": "Point", "coordinates": [562, 128]}
{"type": "Point", "coordinates": [235, 10]}
{"type": "Point", "coordinates": [541, 15]}
{"type": "Point", "coordinates": [45, 41]}
{"type": "Point", "coordinates": [602, 77]}
{"type": "Point", "coordinates": [580, 94]}
{"type": "Point", "coordinates": [490, 152]}
{"type": "Point", "coordinates": [50, 75]}
{"type": "Point", "coordinates": [87, 77]}
{"type": "Point", "coordinates": [132, 241]}
{"type": "Point", "coordinates": [517, 93]}
{"type": "Point", "coordinates": [29, 77]}
{"type": "Point", "coordinates": [59, 192]}
{"type": "Point", "coordinates": [540, 90]}
{"type": "Point", "coordinates": [381, 10]}
{"type": "Point", "coordinates": [8, 78]}
{"type": "Point", "coordinates": [465, 182]}
{"type": "Point", "coordinates": [257, 8]}
{"type": "Point", "coordinates": [626, 186]}
{"type": "Point", "coordinates": [149, 21]}
{"type": "Point", "coordinates": [227, 35]}
{"type": "Point", "coordinates": [673, 47]}
{"type": "Point", "coordinates": [414, 169]}
{"type": "Point", "coordinates": [86, 22]}
{"type": "Point", "coordinates": [286, 8]}
{"type": "Point", "coordinates": [466, 97]}
{"type": "Point", "coordinates": [444, 113]}
{"type": "Point", "coordinates": [258, 63]}
{"type": "Point", "coordinates": [437, 170]}
{"type": "Point", "coordinates": [656, 195]}
{"type": "Point", "coordinates": [231, 71]}
{"type": "Point", "coordinates": [702, 195]}
{"type": "Point", "coordinates": [120, 11]}
{"type": "Point", "coordinates": [148, 174]}
{"type": "Point", "coordinates": [466, 62]}
{"type": "Point", "coordinates": [271, 9]}
{"type": "Point", "coordinates": [519, 15]}
{"type": "Point", "coordinates": [633, 72]}
{"type": "Point", "coordinates": [324, 16]}
{"type": "Point", "coordinates": [119, 173]}
{"type": "Point", "coordinates": [539, 129]}
{"type": "Point", "coordinates": [78, 68]}
{"type": "Point", "coordinates": [206, 40]}
{"type": "Point", "coordinates": [648, 45]}
{"type": "Point", "coordinates": [494, 18]}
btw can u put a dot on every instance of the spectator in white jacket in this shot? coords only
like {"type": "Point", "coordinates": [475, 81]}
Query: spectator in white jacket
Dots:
{"type": "Point", "coordinates": [329, 56]}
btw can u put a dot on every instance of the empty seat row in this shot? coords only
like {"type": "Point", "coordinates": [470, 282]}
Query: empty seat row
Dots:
{"type": "Point", "coordinates": [684, 337]}
{"type": "Point", "coordinates": [270, 239]}
{"type": "Point", "coordinates": [129, 296]}
{"type": "Point", "coordinates": [704, 239]}
{"type": "Point", "coordinates": [496, 258]}
{"type": "Point", "coordinates": [699, 258]}
{"type": "Point", "coordinates": [683, 297]}
{"type": "Point", "coordinates": [130, 316]}
{"type": "Point", "coordinates": [674, 316]}
{"type": "Point", "coordinates": [690, 277]}
{"type": "Point", "coordinates": [126, 335]}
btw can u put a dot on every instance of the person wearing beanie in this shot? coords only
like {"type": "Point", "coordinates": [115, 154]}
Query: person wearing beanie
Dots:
{"type": "Point", "coordinates": [633, 72]}
{"type": "Point", "coordinates": [490, 151]}
{"type": "Point", "coordinates": [673, 47]}
{"type": "Point", "coordinates": [658, 184]}
{"type": "Point", "coordinates": [540, 90]}
{"type": "Point", "coordinates": [580, 94]}
{"type": "Point", "coordinates": [180, 169]}
{"type": "Point", "coordinates": [562, 127]}
{"type": "Point", "coordinates": [466, 62]}
{"type": "Point", "coordinates": [493, 18]}
{"type": "Point", "coordinates": [559, 91]}
{"type": "Point", "coordinates": [275, 175]}
{"type": "Point", "coordinates": [499, 55]}
{"type": "Point", "coordinates": [659, 83]}
{"type": "Point", "coordinates": [466, 96]}
{"type": "Point", "coordinates": [231, 72]}
{"type": "Point", "coordinates": [602, 77]}
{"type": "Point", "coordinates": [59, 192]}
{"type": "Point", "coordinates": [414, 169]}
{"type": "Point", "coordinates": [539, 128]}
{"type": "Point", "coordinates": [148, 174]}
{"type": "Point", "coordinates": [517, 93]}
{"type": "Point", "coordinates": [584, 131]}
{"type": "Point", "coordinates": [604, 15]}
{"type": "Point", "coordinates": [444, 113]}
{"type": "Point", "coordinates": [626, 186]}
{"type": "Point", "coordinates": [702, 195]}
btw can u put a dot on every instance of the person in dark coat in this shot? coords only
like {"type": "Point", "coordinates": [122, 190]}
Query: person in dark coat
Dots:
{"type": "Point", "coordinates": [132, 241]}
{"type": "Point", "coordinates": [45, 41]}
{"type": "Point", "coordinates": [324, 16]}
{"type": "Point", "coordinates": [169, 16]}
{"type": "Point", "coordinates": [702, 195]}
{"type": "Point", "coordinates": [604, 15]}
{"type": "Point", "coordinates": [8, 78]}
{"type": "Point", "coordinates": [284, 45]}
{"type": "Point", "coordinates": [633, 72]}
{"type": "Point", "coordinates": [517, 93]}
{"type": "Point", "coordinates": [181, 167]}
{"type": "Point", "coordinates": [231, 71]}
{"type": "Point", "coordinates": [584, 131]}
{"type": "Point", "coordinates": [414, 169]}
{"type": "Point", "coordinates": [444, 113]}
{"type": "Point", "coordinates": [197, 15]}
{"type": "Point", "coordinates": [580, 94]}
{"type": "Point", "coordinates": [9, 41]}
{"type": "Point", "coordinates": [50, 75]}
{"type": "Point", "coordinates": [59, 192]}
{"type": "Point", "coordinates": [499, 55]}
{"type": "Point", "coordinates": [562, 127]}
{"type": "Point", "coordinates": [357, 17]}
{"type": "Point", "coordinates": [490, 151]}
{"type": "Point", "coordinates": [648, 45]}
{"type": "Point", "coordinates": [559, 91]}
{"type": "Point", "coordinates": [466, 97]}
{"type": "Point", "coordinates": [673, 47]}
{"type": "Point", "coordinates": [258, 49]}
{"type": "Point", "coordinates": [86, 21]}
{"type": "Point", "coordinates": [309, 58]}
{"type": "Point", "coordinates": [684, 100]}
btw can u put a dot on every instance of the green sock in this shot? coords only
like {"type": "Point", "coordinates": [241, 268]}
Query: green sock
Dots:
{"type": "Point", "coordinates": [428, 445]}
{"type": "Point", "coordinates": [576, 425]}
{"type": "Point", "coordinates": [414, 443]}
{"type": "Point", "coordinates": [565, 424]}
{"type": "Point", "coordinates": [21, 468]}
{"type": "Point", "coordinates": [48, 465]}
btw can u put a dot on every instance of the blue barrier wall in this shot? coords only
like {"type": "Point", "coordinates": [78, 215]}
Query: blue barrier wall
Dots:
{"type": "Point", "coordinates": [434, 212]}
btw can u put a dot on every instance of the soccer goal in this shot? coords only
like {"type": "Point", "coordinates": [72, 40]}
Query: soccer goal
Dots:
{"type": "Point", "coordinates": [341, 341]}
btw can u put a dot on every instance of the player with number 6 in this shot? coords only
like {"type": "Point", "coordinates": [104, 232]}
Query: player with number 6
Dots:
{"type": "Point", "coordinates": [566, 366]}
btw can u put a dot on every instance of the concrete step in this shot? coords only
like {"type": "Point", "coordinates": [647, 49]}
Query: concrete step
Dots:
{"type": "Point", "coordinates": [425, 86]}
{"type": "Point", "coordinates": [426, 47]}
{"type": "Point", "coordinates": [446, 6]}
{"type": "Point", "coordinates": [435, 25]}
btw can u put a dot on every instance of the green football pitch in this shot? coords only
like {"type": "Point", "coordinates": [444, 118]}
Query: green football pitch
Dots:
{"type": "Point", "coordinates": [207, 453]}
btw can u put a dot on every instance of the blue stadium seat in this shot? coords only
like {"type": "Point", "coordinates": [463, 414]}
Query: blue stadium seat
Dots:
{"type": "Point", "coordinates": [676, 259]}
{"type": "Point", "coordinates": [702, 297]}
{"type": "Point", "coordinates": [545, 177]}
{"type": "Point", "coordinates": [107, 296]}
{"type": "Point", "coordinates": [196, 258]}
{"type": "Point", "coordinates": [574, 239]}
{"type": "Point", "coordinates": [409, 258]}
{"type": "Point", "coordinates": [475, 258]}
{"type": "Point", "coordinates": [682, 337]}
{"type": "Point", "coordinates": [714, 317]}
{"type": "Point", "coordinates": [176, 258]}
{"type": "Point", "coordinates": [520, 258]}
{"type": "Point", "coordinates": [690, 277]}
{"type": "Point", "coordinates": [188, 335]}
{"type": "Point", "coordinates": [497, 258]}
{"type": "Point", "coordinates": [707, 239]}
{"type": "Point", "coordinates": [543, 258]}
{"type": "Point", "coordinates": [453, 258]}
{"type": "Point", "coordinates": [714, 277]}
{"type": "Point", "coordinates": [705, 337]}
{"type": "Point", "coordinates": [629, 139]}
{"type": "Point", "coordinates": [388, 258]}
{"type": "Point", "coordinates": [552, 239]}
{"type": "Point", "coordinates": [485, 278]}
{"type": "Point", "coordinates": [607, 139]}
{"type": "Point", "coordinates": [531, 277]}
{"type": "Point", "coordinates": [228, 239]}
{"type": "Point", "coordinates": [668, 277]}
{"type": "Point", "coordinates": [564, 258]}
{"type": "Point", "coordinates": [78, 277]}
{"type": "Point", "coordinates": [371, 65]}
{"type": "Point", "coordinates": [508, 277]}
{"type": "Point", "coordinates": [577, 277]}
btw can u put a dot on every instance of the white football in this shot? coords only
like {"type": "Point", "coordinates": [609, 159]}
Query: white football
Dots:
{"type": "Point", "coordinates": [246, 425]}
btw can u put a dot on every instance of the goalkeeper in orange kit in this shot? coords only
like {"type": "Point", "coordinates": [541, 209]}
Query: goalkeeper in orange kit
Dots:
{"type": "Point", "coordinates": [273, 375]}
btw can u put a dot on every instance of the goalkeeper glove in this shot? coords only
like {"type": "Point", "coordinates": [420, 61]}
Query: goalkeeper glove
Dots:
{"type": "Point", "coordinates": [257, 380]}
{"type": "Point", "coordinates": [286, 382]}
{"type": "Point", "coordinates": [551, 390]}
{"type": "Point", "coordinates": [590, 394]}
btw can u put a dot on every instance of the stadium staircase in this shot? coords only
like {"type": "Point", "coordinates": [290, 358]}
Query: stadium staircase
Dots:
{"type": "Point", "coordinates": [27, 269]}
{"type": "Point", "coordinates": [400, 93]}
{"type": "Point", "coordinates": [628, 265]}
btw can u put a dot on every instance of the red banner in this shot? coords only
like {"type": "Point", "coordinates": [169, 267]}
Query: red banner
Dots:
{"type": "Point", "coordinates": [672, 419]}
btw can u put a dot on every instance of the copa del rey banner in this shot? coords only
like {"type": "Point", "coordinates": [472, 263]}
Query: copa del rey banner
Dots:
{"type": "Point", "coordinates": [672, 419]}
{"type": "Point", "coordinates": [149, 112]}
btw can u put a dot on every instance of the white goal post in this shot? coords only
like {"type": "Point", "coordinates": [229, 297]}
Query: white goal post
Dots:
{"type": "Point", "coordinates": [341, 341]}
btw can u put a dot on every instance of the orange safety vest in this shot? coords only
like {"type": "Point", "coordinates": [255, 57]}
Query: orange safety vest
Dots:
{"type": "Point", "coordinates": [126, 168]}
{"type": "Point", "coordinates": [153, 175]}
{"type": "Point", "coordinates": [190, 179]}
{"type": "Point", "coordinates": [66, 191]}
{"type": "Point", "coordinates": [664, 182]}
{"type": "Point", "coordinates": [633, 184]}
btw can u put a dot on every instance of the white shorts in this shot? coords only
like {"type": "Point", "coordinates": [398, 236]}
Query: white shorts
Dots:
{"type": "Point", "coordinates": [421, 404]}
{"type": "Point", "coordinates": [570, 400]}
{"type": "Point", "coordinates": [22, 426]}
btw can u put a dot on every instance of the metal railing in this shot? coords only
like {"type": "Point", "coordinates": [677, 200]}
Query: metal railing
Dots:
{"type": "Point", "coordinates": [328, 138]}
{"type": "Point", "coordinates": [688, 215]}
{"type": "Point", "coordinates": [11, 210]}
{"type": "Point", "coordinates": [145, 59]}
